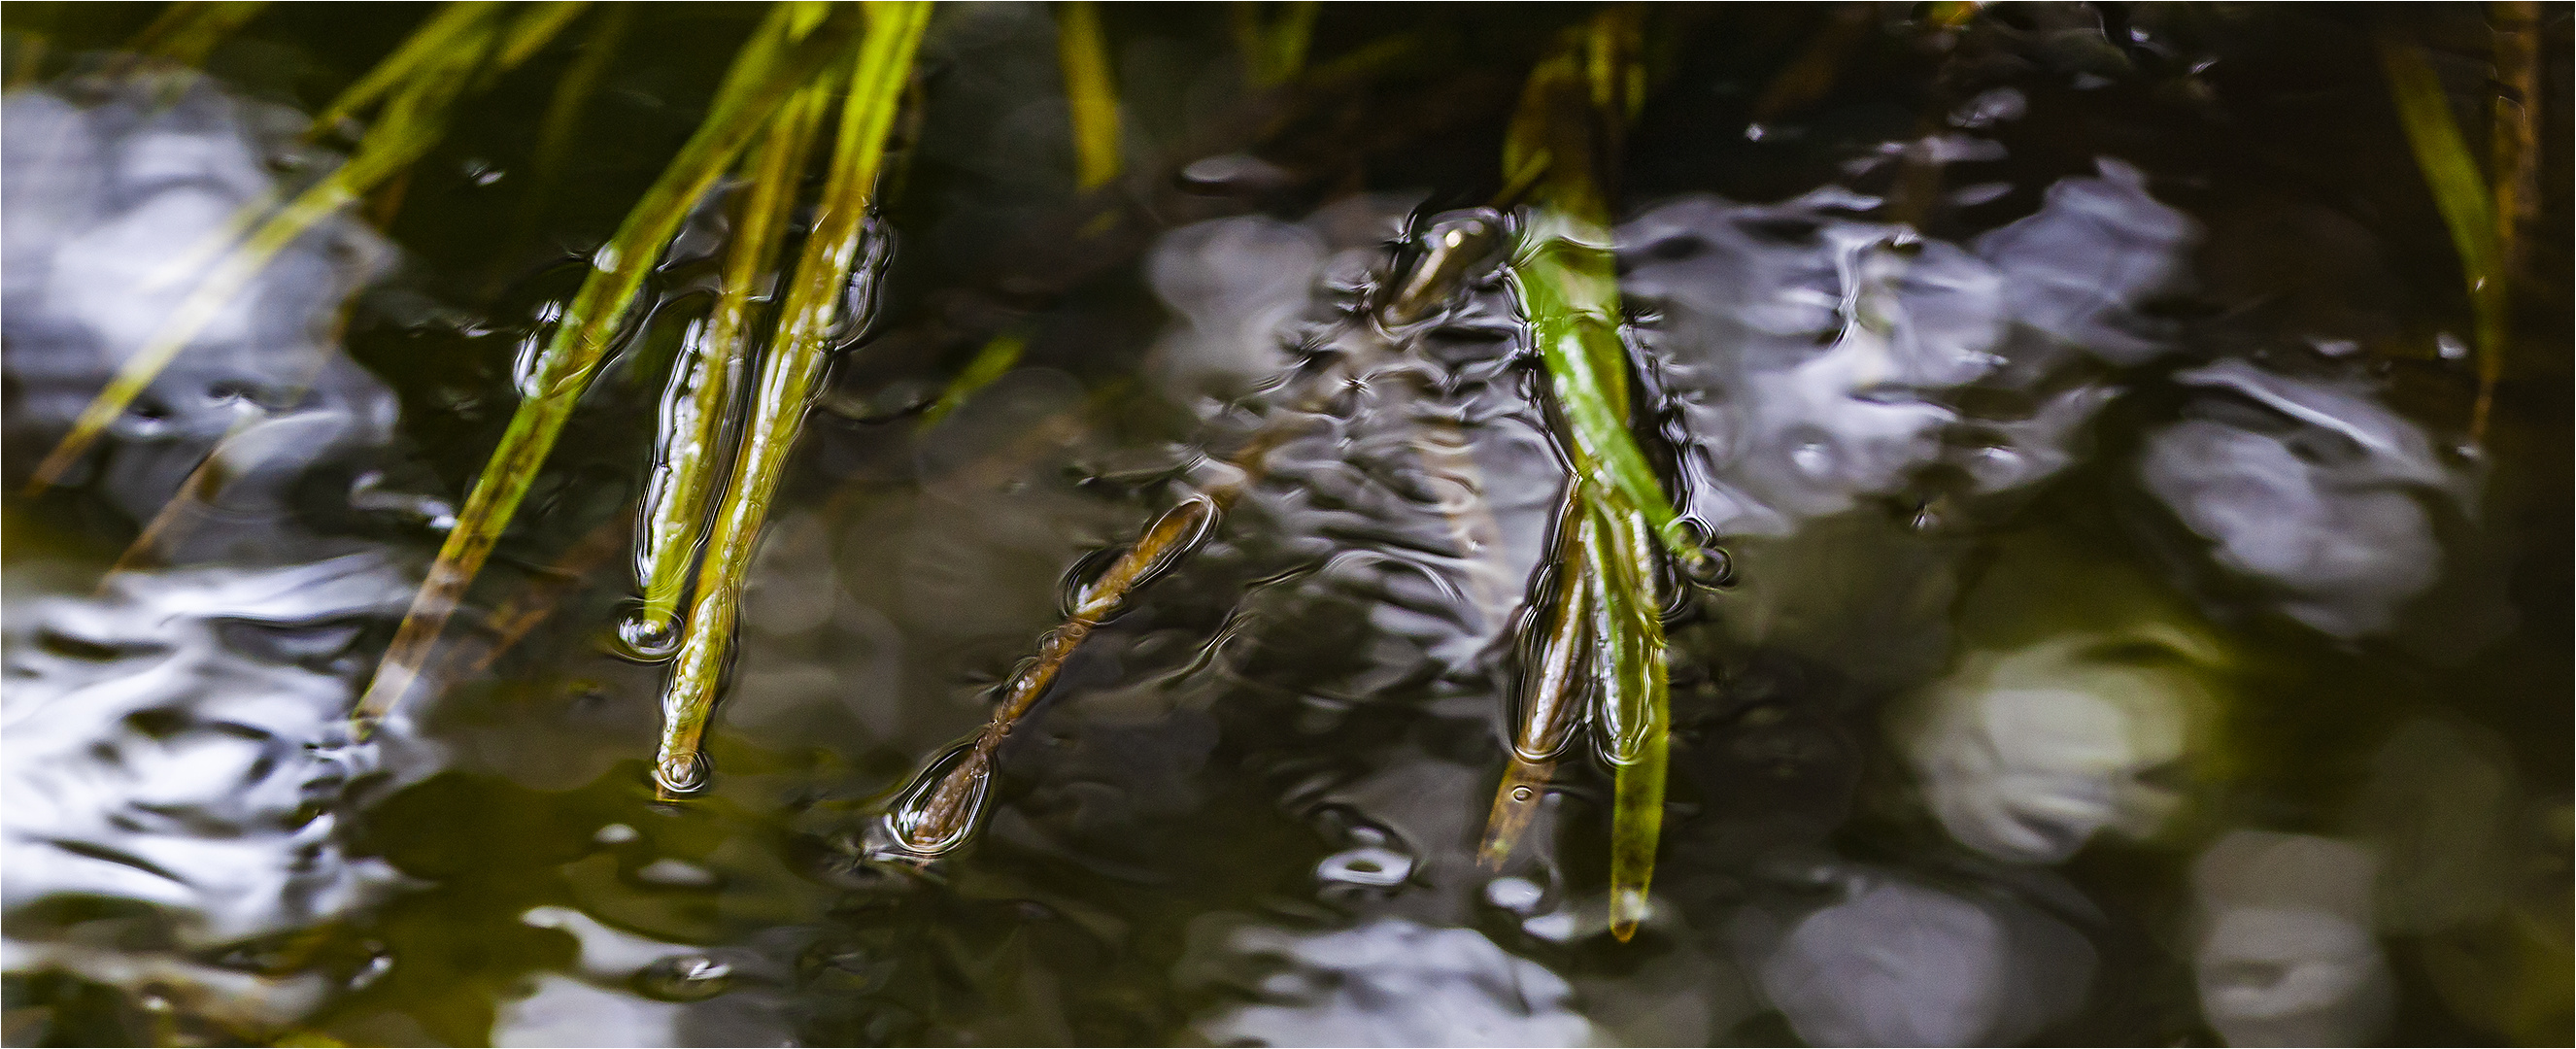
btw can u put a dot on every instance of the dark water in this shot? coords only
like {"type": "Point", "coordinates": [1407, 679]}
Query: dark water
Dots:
{"type": "Point", "coordinates": [2127, 643]}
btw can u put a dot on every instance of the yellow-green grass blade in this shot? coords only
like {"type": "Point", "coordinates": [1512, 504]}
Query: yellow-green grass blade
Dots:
{"type": "Point", "coordinates": [535, 27]}
{"type": "Point", "coordinates": [771, 67]}
{"type": "Point", "coordinates": [996, 359]}
{"type": "Point", "coordinates": [189, 30]}
{"type": "Point", "coordinates": [564, 108]}
{"type": "Point", "coordinates": [412, 123]}
{"type": "Point", "coordinates": [706, 378]}
{"type": "Point", "coordinates": [1635, 721]}
{"type": "Point", "coordinates": [1273, 49]}
{"type": "Point", "coordinates": [837, 246]}
{"type": "Point", "coordinates": [434, 43]}
{"type": "Point", "coordinates": [2460, 193]}
{"type": "Point", "coordinates": [1090, 92]}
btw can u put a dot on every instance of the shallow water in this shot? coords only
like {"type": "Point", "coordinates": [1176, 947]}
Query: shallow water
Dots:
{"type": "Point", "coordinates": [2125, 643]}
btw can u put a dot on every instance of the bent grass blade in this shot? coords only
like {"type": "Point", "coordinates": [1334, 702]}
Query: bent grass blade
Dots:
{"type": "Point", "coordinates": [1571, 113]}
{"type": "Point", "coordinates": [704, 382]}
{"type": "Point", "coordinates": [840, 246]}
{"type": "Point", "coordinates": [773, 65]}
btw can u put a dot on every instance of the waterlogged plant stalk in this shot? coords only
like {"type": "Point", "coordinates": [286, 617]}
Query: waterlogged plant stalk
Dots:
{"type": "Point", "coordinates": [1090, 93]}
{"type": "Point", "coordinates": [2460, 193]}
{"type": "Point", "coordinates": [1554, 676]}
{"type": "Point", "coordinates": [705, 380]}
{"type": "Point", "coordinates": [779, 60]}
{"type": "Point", "coordinates": [429, 46]}
{"type": "Point", "coordinates": [937, 819]}
{"type": "Point", "coordinates": [839, 246]}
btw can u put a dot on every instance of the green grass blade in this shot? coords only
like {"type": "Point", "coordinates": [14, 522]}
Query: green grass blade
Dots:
{"type": "Point", "coordinates": [535, 27]}
{"type": "Point", "coordinates": [1273, 49]}
{"type": "Point", "coordinates": [564, 108]}
{"type": "Point", "coordinates": [1563, 140]}
{"type": "Point", "coordinates": [412, 123]}
{"type": "Point", "coordinates": [435, 42]}
{"type": "Point", "coordinates": [2460, 192]}
{"type": "Point", "coordinates": [997, 358]}
{"type": "Point", "coordinates": [704, 382]}
{"type": "Point", "coordinates": [189, 30]}
{"type": "Point", "coordinates": [1090, 92]}
{"type": "Point", "coordinates": [764, 74]}
{"type": "Point", "coordinates": [833, 251]}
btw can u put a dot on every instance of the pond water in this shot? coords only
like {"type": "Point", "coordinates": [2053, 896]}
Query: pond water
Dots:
{"type": "Point", "coordinates": [2125, 637]}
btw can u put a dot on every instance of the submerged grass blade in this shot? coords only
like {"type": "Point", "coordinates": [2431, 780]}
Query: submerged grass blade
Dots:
{"type": "Point", "coordinates": [839, 247]}
{"type": "Point", "coordinates": [572, 95]}
{"type": "Point", "coordinates": [434, 43]}
{"type": "Point", "coordinates": [1090, 93]}
{"type": "Point", "coordinates": [705, 380]}
{"type": "Point", "coordinates": [535, 27]}
{"type": "Point", "coordinates": [412, 122]}
{"type": "Point", "coordinates": [190, 29]}
{"type": "Point", "coordinates": [992, 362]}
{"type": "Point", "coordinates": [773, 65]}
{"type": "Point", "coordinates": [1273, 49]}
{"type": "Point", "coordinates": [2460, 193]}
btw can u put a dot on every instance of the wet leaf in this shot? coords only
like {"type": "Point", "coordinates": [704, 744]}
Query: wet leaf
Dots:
{"type": "Point", "coordinates": [839, 248]}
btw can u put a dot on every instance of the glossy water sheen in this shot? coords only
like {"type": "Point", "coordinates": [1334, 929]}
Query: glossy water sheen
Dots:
{"type": "Point", "coordinates": [2117, 640]}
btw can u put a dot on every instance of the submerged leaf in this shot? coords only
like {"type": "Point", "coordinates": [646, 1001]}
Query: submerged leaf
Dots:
{"type": "Point", "coordinates": [839, 250]}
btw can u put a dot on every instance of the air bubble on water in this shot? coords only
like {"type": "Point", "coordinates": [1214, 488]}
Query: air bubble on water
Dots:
{"type": "Point", "coordinates": [676, 874]}
{"type": "Point", "coordinates": [1369, 866]}
{"type": "Point", "coordinates": [906, 820]}
{"type": "Point", "coordinates": [681, 773]}
{"type": "Point", "coordinates": [1517, 895]}
{"type": "Point", "coordinates": [684, 978]}
{"type": "Point", "coordinates": [373, 969]}
{"type": "Point", "coordinates": [615, 834]}
{"type": "Point", "coordinates": [647, 637]}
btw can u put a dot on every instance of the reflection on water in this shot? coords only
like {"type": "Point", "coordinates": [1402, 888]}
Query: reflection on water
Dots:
{"type": "Point", "coordinates": [2124, 644]}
